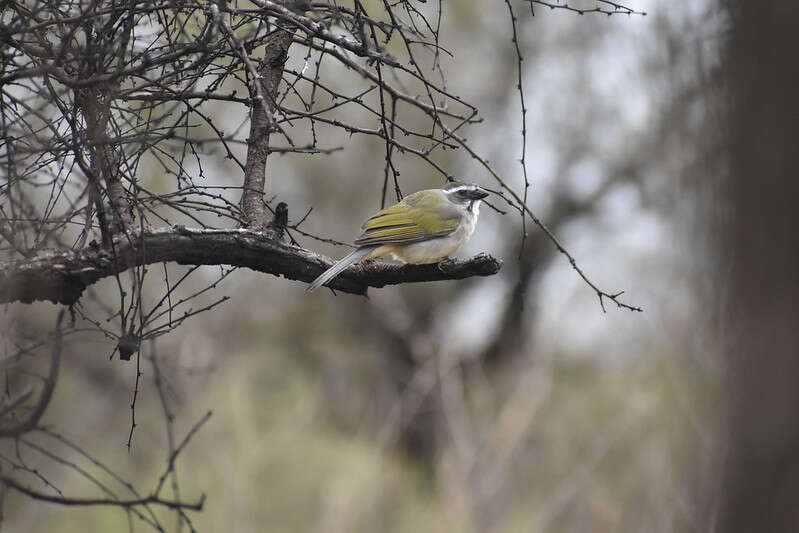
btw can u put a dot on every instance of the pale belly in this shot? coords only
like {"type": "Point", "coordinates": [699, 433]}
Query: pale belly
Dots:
{"type": "Point", "coordinates": [430, 251]}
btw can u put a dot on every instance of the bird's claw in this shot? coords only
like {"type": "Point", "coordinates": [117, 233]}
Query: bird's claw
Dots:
{"type": "Point", "coordinates": [445, 263]}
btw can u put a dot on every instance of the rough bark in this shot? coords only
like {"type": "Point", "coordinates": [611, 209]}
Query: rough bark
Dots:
{"type": "Point", "coordinates": [263, 98]}
{"type": "Point", "coordinates": [61, 277]}
{"type": "Point", "coordinates": [96, 107]}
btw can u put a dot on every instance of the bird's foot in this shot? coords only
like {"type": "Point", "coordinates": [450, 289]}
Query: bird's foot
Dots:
{"type": "Point", "coordinates": [445, 264]}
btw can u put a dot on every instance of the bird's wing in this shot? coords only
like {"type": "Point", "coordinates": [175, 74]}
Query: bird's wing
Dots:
{"type": "Point", "coordinates": [407, 222]}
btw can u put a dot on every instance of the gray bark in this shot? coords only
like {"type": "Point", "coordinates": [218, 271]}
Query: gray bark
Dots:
{"type": "Point", "coordinates": [61, 277]}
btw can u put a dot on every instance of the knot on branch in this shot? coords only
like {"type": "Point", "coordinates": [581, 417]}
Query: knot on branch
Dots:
{"type": "Point", "coordinates": [128, 345]}
{"type": "Point", "coordinates": [277, 226]}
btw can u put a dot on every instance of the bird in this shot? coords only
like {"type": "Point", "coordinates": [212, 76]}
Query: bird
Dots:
{"type": "Point", "coordinates": [424, 227]}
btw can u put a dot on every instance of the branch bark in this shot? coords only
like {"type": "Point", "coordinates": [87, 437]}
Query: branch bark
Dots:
{"type": "Point", "coordinates": [263, 95]}
{"type": "Point", "coordinates": [61, 277]}
{"type": "Point", "coordinates": [96, 107]}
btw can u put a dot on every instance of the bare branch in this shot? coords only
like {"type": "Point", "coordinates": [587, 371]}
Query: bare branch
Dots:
{"type": "Point", "coordinates": [61, 277]}
{"type": "Point", "coordinates": [524, 210]}
{"type": "Point", "coordinates": [604, 7]}
{"type": "Point", "coordinates": [264, 97]}
{"type": "Point", "coordinates": [12, 483]}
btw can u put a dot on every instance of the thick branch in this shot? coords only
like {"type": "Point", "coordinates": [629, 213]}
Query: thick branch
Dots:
{"type": "Point", "coordinates": [96, 106]}
{"type": "Point", "coordinates": [263, 96]}
{"type": "Point", "coordinates": [61, 277]}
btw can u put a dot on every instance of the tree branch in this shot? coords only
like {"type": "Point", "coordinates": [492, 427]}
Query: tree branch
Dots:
{"type": "Point", "coordinates": [263, 93]}
{"type": "Point", "coordinates": [149, 500]}
{"type": "Point", "coordinates": [96, 106]}
{"type": "Point", "coordinates": [61, 277]}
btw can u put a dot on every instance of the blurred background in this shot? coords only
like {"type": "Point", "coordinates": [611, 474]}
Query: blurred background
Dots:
{"type": "Point", "coordinates": [500, 404]}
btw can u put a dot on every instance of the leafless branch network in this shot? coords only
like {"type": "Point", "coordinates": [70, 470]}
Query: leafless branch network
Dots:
{"type": "Point", "coordinates": [138, 134]}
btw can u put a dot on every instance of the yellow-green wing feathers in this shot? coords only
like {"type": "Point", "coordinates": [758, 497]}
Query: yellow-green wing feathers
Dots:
{"type": "Point", "coordinates": [409, 221]}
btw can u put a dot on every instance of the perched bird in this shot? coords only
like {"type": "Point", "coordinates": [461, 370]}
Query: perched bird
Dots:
{"type": "Point", "coordinates": [424, 227]}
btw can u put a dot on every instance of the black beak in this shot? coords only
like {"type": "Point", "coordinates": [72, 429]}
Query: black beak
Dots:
{"type": "Point", "coordinates": [478, 194]}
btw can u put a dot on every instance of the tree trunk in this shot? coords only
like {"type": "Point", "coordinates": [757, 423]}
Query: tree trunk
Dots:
{"type": "Point", "coordinates": [760, 243]}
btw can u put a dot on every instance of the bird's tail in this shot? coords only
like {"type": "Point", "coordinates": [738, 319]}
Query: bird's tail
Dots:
{"type": "Point", "coordinates": [340, 266]}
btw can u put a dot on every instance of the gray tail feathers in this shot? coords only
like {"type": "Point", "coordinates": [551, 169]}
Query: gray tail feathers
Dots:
{"type": "Point", "coordinates": [340, 266]}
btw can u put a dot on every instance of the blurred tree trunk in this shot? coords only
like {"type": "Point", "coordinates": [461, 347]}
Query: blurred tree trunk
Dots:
{"type": "Point", "coordinates": [760, 239]}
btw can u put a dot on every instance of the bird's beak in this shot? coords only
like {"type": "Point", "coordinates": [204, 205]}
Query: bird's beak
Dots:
{"type": "Point", "coordinates": [478, 194]}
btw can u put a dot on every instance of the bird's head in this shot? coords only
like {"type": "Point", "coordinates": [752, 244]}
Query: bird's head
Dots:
{"type": "Point", "coordinates": [464, 194]}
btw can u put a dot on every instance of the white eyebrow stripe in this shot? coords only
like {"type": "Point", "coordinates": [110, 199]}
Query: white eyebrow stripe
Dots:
{"type": "Point", "coordinates": [461, 188]}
